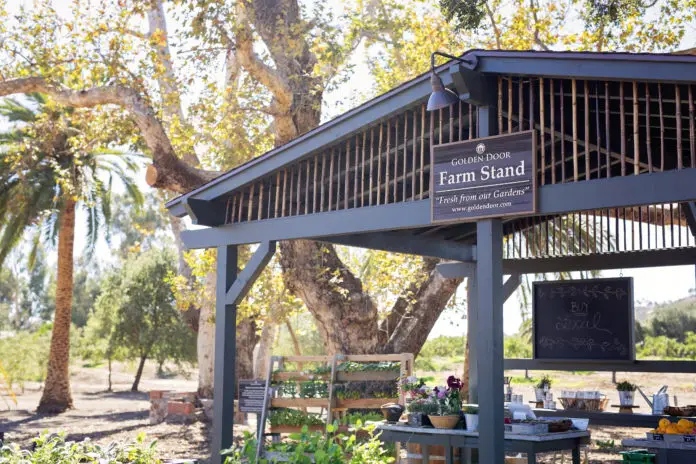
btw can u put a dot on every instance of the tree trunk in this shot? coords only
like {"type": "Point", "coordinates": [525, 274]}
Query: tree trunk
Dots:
{"type": "Point", "coordinates": [110, 386]}
{"type": "Point", "coordinates": [206, 340]}
{"type": "Point", "coordinates": [139, 373]}
{"type": "Point", "coordinates": [56, 397]}
{"type": "Point", "coordinates": [263, 355]}
{"type": "Point", "coordinates": [247, 338]}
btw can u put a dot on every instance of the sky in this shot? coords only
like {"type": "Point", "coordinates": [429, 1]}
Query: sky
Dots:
{"type": "Point", "coordinates": [650, 284]}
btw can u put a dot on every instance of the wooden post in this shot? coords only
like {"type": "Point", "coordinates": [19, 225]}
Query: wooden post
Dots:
{"type": "Point", "coordinates": [225, 349]}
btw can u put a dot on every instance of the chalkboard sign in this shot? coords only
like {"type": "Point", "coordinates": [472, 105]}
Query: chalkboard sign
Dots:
{"type": "Point", "coordinates": [251, 395]}
{"type": "Point", "coordinates": [589, 319]}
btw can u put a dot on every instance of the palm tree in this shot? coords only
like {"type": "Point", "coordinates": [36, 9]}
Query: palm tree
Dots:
{"type": "Point", "coordinates": [52, 163]}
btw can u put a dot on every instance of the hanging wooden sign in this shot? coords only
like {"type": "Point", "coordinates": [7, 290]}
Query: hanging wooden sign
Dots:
{"type": "Point", "coordinates": [483, 178]}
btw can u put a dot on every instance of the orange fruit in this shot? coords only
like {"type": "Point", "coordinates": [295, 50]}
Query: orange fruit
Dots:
{"type": "Point", "coordinates": [664, 422]}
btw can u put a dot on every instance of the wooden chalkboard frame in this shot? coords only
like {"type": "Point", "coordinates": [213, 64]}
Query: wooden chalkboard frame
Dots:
{"type": "Point", "coordinates": [631, 318]}
{"type": "Point", "coordinates": [535, 202]}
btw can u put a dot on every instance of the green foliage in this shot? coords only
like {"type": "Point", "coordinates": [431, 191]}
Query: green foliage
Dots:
{"type": "Point", "coordinates": [293, 417]}
{"type": "Point", "coordinates": [355, 418]}
{"type": "Point", "coordinates": [50, 155]}
{"type": "Point", "coordinates": [517, 346]}
{"type": "Point", "coordinates": [136, 317]}
{"type": "Point", "coordinates": [54, 449]}
{"type": "Point", "coordinates": [331, 448]}
{"type": "Point", "coordinates": [424, 406]}
{"type": "Point", "coordinates": [443, 346]}
{"type": "Point", "coordinates": [384, 366]}
{"type": "Point", "coordinates": [663, 347]}
{"type": "Point", "coordinates": [470, 409]}
{"type": "Point", "coordinates": [673, 320]}
{"type": "Point", "coordinates": [24, 355]}
{"type": "Point", "coordinates": [544, 382]}
{"type": "Point", "coordinates": [625, 385]}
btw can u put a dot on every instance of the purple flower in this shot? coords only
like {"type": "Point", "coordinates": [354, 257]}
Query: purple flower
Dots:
{"type": "Point", "coordinates": [453, 383]}
{"type": "Point", "coordinates": [441, 394]}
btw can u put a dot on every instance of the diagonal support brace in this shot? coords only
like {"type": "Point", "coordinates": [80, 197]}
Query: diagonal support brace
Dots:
{"type": "Point", "coordinates": [689, 209]}
{"type": "Point", "coordinates": [510, 286]}
{"type": "Point", "coordinates": [251, 272]}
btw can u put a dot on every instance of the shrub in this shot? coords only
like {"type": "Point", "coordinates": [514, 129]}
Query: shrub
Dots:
{"type": "Point", "coordinates": [54, 449]}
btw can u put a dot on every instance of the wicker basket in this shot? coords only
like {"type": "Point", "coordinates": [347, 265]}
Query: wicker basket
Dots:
{"type": "Point", "coordinates": [582, 404]}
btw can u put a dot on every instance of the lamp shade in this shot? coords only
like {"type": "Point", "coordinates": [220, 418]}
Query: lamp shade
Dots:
{"type": "Point", "coordinates": [441, 97]}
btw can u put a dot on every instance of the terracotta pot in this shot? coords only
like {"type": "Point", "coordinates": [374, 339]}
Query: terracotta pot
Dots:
{"type": "Point", "coordinates": [444, 422]}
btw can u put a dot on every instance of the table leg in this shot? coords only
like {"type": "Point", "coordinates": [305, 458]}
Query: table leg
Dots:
{"type": "Point", "coordinates": [449, 455]}
{"type": "Point", "coordinates": [576, 455]}
{"type": "Point", "coordinates": [425, 452]}
{"type": "Point", "coordinates": [531, 457]}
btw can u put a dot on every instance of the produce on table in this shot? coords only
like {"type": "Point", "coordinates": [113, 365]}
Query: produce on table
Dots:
{"type": "Point", "coordinates": [683, 427]}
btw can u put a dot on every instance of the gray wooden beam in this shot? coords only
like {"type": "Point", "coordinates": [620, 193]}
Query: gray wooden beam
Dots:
{"type": "Point", "coordinates": [225, 349]}
{"type": "Point", "coordinates": [398, 242]}
{"type": "Point", "coordinates": [665, 187]}
{"type": "Point", "coordinates": [251, 272]}
{"type": "Point", "coordinates": [620, 260]}
{"type": "Point", "coordinates": [343, 222]}
{"type": "Point", "coordinates": [456, 270]}
{"type": "Point", "coordinates": [686, 367]}
{"type": "Point", "coordinates": [510, 285]}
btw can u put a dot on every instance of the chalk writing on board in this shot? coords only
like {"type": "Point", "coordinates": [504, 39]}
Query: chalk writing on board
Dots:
{"type": "Point", "coordinates": [583, 344]}
{"type": "Point", "coordinates": [570, 324]}
{"type": "Point", "coordinates": [605, 292]}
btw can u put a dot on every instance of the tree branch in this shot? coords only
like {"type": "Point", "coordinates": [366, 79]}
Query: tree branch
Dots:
{"type": "Point", "coordinates": [255, 66]}
{"type": "Point", "coordinates": [170, 172]}
{"type": "Point", "coordinates": [413, 317]}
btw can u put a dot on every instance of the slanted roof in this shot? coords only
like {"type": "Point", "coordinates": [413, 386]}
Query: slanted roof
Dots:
{"type": "Point", "coordinates": [643, 67]}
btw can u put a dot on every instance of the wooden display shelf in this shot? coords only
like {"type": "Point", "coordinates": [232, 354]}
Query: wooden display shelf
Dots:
{"type": "Point", "coordinates": [357, 376]}
{"type": "Point", "coordinates": [299, 402]}
{"type": "Point", "coordinates": [299, 377]}
{"type": "Point", "coordinates": [361, 376]}
{"type": "Point", "coordinates": [365, 403]}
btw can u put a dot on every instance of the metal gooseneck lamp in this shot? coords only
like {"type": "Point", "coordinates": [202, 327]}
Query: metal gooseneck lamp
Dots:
{"type": "Point", "coordinates": [441, 96]}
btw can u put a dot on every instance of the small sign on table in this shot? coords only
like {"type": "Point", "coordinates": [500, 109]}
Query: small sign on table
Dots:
{"type": "Point", "coordinates": [251, 395]}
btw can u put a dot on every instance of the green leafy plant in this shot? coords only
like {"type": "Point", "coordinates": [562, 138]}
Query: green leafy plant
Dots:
{"type": "Point", "coordinates": [54, 449]}
{"type": "Point", "coordinates": [293, 417]}
{"type": "Point", "coordinates": [470, 409]}
{"type": "Point", "coordinates": [544, 382]}
{"type": "Point", "coordinates": [313, 389]}
{"type": "Point", "coordinates": [361, 418]}
{"type": "Point", "coordinates": [626, 386]}
{"type": "Point", "coordinates": [308, 447]}
{"type": "Point", "coordinates": [425, 406]}
{"type": "Point", "coordinates": [351, 366]}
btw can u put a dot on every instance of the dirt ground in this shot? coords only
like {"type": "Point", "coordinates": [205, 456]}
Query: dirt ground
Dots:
{"type": "Point", "coordinates": [122, 415]}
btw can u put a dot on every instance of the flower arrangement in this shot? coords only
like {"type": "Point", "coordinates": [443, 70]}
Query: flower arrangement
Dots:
{"type": "Point", "coordinates": [448, 399]}
{"type": "Point", "coordinates": [414, 387]}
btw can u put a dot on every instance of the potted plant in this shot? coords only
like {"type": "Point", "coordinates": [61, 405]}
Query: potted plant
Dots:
{"type": "Point", "coordinates": [413, 387]}
{"type": "Point", "coordinates": [626, 392]}
{"type": "Point", "coordinates": [541, 387]}
{"type": "Point", "coordinates": [471, 418]}
{"type": "Point", "coordinates": [449, 404]}
{"type": "Point", "coordinates": [419, 410]}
